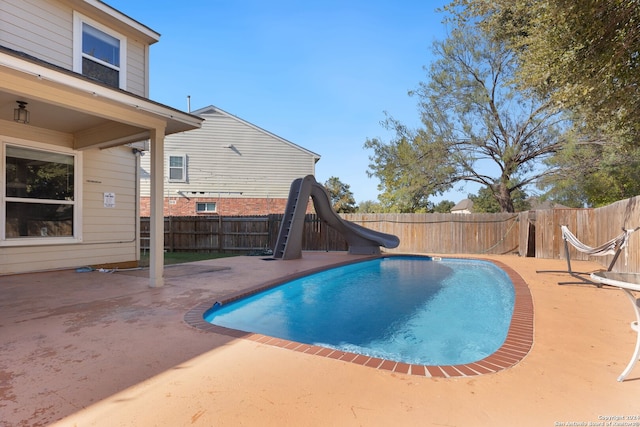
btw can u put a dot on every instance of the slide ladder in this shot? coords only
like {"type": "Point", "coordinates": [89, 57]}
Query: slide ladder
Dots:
{"type": "Point", "coordinates": [361, 240]}
{"type": "Point", "coordinates": [293, 221]}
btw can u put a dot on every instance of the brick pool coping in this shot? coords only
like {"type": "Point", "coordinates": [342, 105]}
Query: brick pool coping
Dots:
{"type": "Point", "coordinates": [516, 346]}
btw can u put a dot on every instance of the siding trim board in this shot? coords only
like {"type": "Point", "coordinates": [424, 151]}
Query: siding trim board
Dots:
{"type": "Point", "coordinates": [150, 36]}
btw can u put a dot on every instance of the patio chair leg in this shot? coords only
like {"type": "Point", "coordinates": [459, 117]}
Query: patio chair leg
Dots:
{"type": "Point", "coordinates": [635, 327]}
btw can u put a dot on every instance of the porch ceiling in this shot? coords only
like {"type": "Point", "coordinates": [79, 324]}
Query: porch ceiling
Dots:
{"type": "Point", "coordinates": [47, 116]}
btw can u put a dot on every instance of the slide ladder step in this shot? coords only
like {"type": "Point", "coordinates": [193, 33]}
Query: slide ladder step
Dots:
{"type": "Point", "coordinates": [287, 222]}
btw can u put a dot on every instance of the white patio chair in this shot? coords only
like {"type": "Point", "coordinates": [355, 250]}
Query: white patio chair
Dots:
{"type": "Point", "coordinates": [627, 282]}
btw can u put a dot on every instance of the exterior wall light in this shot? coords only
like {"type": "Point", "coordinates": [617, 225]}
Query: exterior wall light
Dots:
{"type": "Point", "coordinates": [21, 114]}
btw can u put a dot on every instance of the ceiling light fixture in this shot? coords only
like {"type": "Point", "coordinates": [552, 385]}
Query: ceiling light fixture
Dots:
{"type": "Point", "coordinates": [21, 114]}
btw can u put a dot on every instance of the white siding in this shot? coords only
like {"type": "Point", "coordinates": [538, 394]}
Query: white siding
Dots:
{"type": "Point", "coordinates": [109, 234]}
{"type": "Point", "coordinates": [44, 29]}
{"type": "Point", "coordinates": [41, 28]}
{"type": "Point", "coordinates": [136, 74]}
{"type": "Point", "coordinates": [258, 165]}
{"type": "Point", "coordinates": [109, 171]}
{"type": "Point", "coordinates": [42, 258]}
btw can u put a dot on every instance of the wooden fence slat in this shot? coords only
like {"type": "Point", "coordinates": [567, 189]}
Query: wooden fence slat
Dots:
{"type": "Point", "coordinates": [533, 233]}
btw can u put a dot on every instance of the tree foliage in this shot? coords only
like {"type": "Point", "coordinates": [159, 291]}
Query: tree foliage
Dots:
{"type": "Point", "coordinates": [370, 206]}
{"type": "Point", "coordinates": [476, 127]}
{"type": "Point", "coordinates": [594, 174]}
{"type": "Point", "coordinates": [485, 201]}
{"type": "Point", "coordinates": [584, 54]}
{"type": "Point", "coordinates": [402, 174]}
{"type": "Point", "coordinates": [341, 196]}
{"type": "Point", "coordinates": [444, 206]}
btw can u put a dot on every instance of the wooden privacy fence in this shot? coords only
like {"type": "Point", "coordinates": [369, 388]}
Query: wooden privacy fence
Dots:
{"type": "Point", "coordinates": [210, 234]}
{"type": "Point", "coordinates": [418, 233]}
{"type": "Point", "coordinates": [447, 233]}
{"type": "Point", "coordinates": [592, 227]}
{"type": "Point", "coordinates": [237, 234]}
{"type": "Point", "coordinates": [532, 233]}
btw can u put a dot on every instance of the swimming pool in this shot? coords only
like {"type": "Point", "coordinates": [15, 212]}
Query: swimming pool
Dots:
{"type": "Point", "coordinates": [411, 310]}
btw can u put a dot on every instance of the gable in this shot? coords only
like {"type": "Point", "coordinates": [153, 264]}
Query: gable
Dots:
{"type": "Point", "coordinates": [50, 30]}
{"type": "Point", "coordinates": [230, 157]}
{"type": "Point", "coordinates": [212, 111]}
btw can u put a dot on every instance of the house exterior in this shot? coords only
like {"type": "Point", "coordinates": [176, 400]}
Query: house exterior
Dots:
{"type": "Point", "coordinates": [227, 167]}
{"type": "Point", "coordinates": [70, 192]}
{"type": "Point", "coordinates": [464, 206]}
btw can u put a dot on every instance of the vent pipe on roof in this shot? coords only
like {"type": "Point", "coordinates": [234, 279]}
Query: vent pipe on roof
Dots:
{"type": "Point", "coordinates": [188, 103]}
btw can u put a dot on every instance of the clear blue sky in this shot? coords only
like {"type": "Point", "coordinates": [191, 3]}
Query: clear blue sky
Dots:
{"type": "Point", "coordinates": [320, 74]}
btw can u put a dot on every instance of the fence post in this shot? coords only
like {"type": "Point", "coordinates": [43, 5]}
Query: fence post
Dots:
{"type": "Point", "coordinates": [219, 233]}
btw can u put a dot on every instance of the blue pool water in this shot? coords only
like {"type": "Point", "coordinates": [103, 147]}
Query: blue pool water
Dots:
{"type": "Point", "coordinates": [407, 309]}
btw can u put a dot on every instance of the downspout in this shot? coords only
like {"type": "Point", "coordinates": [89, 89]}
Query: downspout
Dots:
{"type": "Point", "coordinates": [137, 154]}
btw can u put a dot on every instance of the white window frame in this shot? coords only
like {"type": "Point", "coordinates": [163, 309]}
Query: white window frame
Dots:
{"type": "Point", "coordinates": [184, 168]}
{"type": "Point", "coordinates": [215, 207]}
{"type": "Point", "coordinates": [77, 196]}
{"type": "Point", "coordinates": [78, 20]}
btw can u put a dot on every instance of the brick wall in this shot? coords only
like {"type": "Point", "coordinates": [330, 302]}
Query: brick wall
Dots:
{"type": "Point", "coordinates": [181, 206]}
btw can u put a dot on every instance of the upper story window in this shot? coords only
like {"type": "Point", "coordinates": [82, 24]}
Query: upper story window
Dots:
{"type": "Point", "coordinates": [99, 52]}
{"type": "Point", "coordinates": [177, 168]}
{"type": "Point", "coordinates": [40, 194]}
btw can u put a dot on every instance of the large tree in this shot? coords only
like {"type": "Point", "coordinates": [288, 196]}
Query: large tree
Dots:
{"type": "Point", "coordinates": [594, 174]}
{"type": "Point", "coordinates": [586, 57]}
{"type": "Point", "coordinates": [484, 202]}
{"type": "Point", "coordinates": [476, 127]}
{"type": "Point", "coordinates": [341, 196]}
{"type": "Point", "coordinates": [584, 54]}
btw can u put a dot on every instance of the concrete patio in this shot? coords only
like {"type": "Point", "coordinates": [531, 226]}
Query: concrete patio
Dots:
{"type": "Point", "coordinates": [104, 349]}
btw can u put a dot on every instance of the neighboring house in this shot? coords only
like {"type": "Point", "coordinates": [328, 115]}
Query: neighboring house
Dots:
{"type": "Point", "coordinates": [537, 205]}
{"type": "Point", "coordinates": [227, 167]}
{"type": "Point", "coordinates": [73, 98]}
{"type": "Point", "coordinates": [464, 206]}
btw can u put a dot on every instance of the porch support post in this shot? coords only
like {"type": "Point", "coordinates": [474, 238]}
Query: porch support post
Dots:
{"type": "Point", "coordinates": [156, 242]}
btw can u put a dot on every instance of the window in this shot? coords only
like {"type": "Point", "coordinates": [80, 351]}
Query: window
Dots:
{"type": "Point", "coordinates": [203, 207]}
{"type": "Point", "coordinates": [40, 194]}
{"type": "Point", "coordinates": [99, 53]}
{"type": "Point", "coordinates": [177, 168]}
